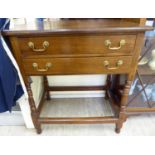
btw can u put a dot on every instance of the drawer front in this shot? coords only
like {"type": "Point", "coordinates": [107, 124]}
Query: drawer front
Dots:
{"type": "Point", "coordinates": [76, 45]}
{"type": "Point", "coordinates": [90, 65]}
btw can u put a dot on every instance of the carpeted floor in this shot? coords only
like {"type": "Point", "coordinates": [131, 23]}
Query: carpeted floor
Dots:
{"type": "Point", "coordinates": [142, 125]}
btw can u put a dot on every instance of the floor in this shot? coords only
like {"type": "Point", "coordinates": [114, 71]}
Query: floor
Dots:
{"type": "Point", "coordinates": [13, 118]}
{"type": "Point", "coordinates": [10, 119]}
{"type": "Point", "coordinates": [143, 125]}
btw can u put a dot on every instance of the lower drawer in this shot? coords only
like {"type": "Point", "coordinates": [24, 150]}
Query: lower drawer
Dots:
{"type": "Point", "coordinates": [88, 65]}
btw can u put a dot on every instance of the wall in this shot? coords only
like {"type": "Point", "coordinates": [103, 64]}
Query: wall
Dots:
{"type": "Point", "coordinates": [69, 80]}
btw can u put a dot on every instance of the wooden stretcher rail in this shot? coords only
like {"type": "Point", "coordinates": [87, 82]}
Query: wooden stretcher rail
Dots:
{"type": "Point", "coordinates": [78, 120]}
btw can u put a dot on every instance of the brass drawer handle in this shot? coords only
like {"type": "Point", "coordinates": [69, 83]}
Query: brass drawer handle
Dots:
{"type": "Point", "coordinates": [45, 46]}
{"type": "Point", "coordinates": [47, 66]}
{"type": "Point", "coordinates": [118, 64]}
{"type": "Point", "coordinates": [108, 44]}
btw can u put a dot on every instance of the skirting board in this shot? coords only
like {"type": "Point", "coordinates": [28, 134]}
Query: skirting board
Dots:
{"type": "Point", "coordinates": [77, 94]}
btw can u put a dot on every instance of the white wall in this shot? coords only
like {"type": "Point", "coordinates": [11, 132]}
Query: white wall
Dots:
{"type": "Point", "coordinates": [69, 80]}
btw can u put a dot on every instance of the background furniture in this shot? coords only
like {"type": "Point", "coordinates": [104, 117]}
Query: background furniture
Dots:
{"type": "Point", "coordinates": [142, 94]}
{"type": "Point", "coordinates": [143, 97]}
{"type": "Point", "coordinates": [90, 46]}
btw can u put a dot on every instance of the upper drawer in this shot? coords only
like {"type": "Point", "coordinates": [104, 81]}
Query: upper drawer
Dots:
{"type": "Point", "coordinates": [78, 44]}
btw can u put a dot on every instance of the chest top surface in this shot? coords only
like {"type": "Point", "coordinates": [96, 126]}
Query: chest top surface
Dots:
{"type": "Point", "coordinates": [77, 26]}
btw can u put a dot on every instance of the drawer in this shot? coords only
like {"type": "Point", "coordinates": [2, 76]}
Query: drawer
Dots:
{"type": "Point", "coordinates": [89, 65]}
{"type": "Point", "coordinates": [76, 45]}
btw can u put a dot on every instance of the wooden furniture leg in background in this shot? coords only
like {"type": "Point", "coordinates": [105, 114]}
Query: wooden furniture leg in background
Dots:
{"type": "Point", "coordinates": [34, 112]}
{"type": "Point", "coordinates": [46, 86]}
{"type": "Point", "coordinates": [116, 87]}
{"type": "Point", "coordinates": [108, 86]}
{"type": "Point", "coordinates": [124, 99]}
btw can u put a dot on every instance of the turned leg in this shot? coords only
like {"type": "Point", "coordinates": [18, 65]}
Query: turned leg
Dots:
{"type": "Point", "coordinates": [34, 113]}
{"type": "Point", "coordinates": [46, 88]}
{"type": "Point", "coordinates": [122, 114]}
